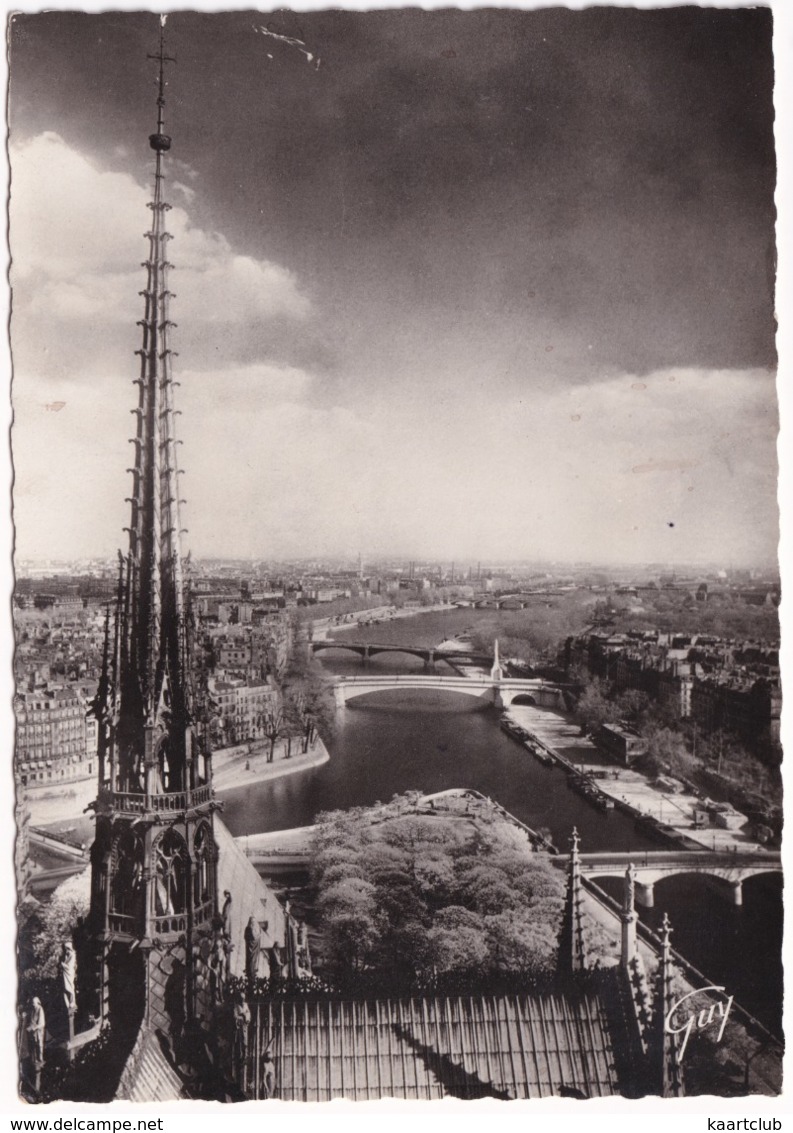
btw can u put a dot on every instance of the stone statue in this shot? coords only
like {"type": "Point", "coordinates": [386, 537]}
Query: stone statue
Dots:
{"type": "Point", "coordinates": [268, 1075]}
{"type": "Point", "coordinates": [253, 947]}
{"type": "Point", "coordinates": [303, 954]}
{"type": "Point", "coordinates": [629, 892]}
{"type": "Point", "coordinates": [226, 914]}
{"type": "Point", "coordinates": [68, 969]}
{"type": "Point", "coordinates": [242, 1020]}
{"type": "Point", "coordinates": [276, 960]}
{"type": "Point", "coordinates": [37, 1024]}
{"type": "Point", "coordinates": [217, 967]}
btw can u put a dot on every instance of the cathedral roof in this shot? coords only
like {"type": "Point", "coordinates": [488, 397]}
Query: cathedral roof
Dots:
{"type": "Point", "coordinates": [149, 1075]}
{"type": "Point", "coordinates": [506, 1047]}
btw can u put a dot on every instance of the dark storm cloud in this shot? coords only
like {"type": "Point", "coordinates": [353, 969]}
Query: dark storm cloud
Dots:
{"type": "Point", "coordinates": [497, 248]}
{"type": "Point", "coordinates": [609, 172]}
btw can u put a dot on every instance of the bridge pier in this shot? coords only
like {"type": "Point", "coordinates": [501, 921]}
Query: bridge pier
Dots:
{"type": "Point", "coordinates": [737, 893]}
{"type": "Point", "coordinates": [339, 696]}
{"type": "Point", "coordinates": [645, 894]}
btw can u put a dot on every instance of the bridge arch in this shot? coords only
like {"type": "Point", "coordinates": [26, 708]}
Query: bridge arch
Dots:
{"type": "Point", "coordinates": [524, 698]}
{"type": "Point", "coordinates": [320, 646]}
{"type": "Point", "coordinates": [376, 650]}
{"type": "Point", "coordinates": [484, 688]}
{"type": "Point", "coordinates": [727, 879]}
{"type": "Point", "coordinates": [353, 689]}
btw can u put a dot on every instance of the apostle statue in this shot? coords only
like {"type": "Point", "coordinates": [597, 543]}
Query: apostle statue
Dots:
{"type": "Point", "coordinates": [268, 1074]}
{"type": "Point", "coordinates": [217, 967]}
{"type": "Point", "coordinates": [226, 913]}
{"type": "Point", "coordinates": [242, 1021]}
{"type": "Point", "coordinates": [37, 1024]}
{"type": "Point", "coordinates": [629, 889]}
{"type": "Point", "coordinates": [67, 965]}
{"type": "Point", "coordinates": [253, 947]}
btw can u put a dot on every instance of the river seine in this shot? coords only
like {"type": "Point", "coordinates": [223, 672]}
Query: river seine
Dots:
{"type": "Point", "coordinates": [391, 742]}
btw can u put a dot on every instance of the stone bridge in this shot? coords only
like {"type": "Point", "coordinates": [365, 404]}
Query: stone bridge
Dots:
{"type": "Point", "coordinates": [365, 650]}
{"type": "Point", "coordinates": [732, 867]}
{"type": "Point", "coordinates": [500, 693]}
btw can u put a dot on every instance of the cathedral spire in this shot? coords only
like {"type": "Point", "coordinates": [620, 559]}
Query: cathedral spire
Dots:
{"type": "Point", "coordinates": [154, 883]}
{"type": "Point", "coordinates": [154, 689]}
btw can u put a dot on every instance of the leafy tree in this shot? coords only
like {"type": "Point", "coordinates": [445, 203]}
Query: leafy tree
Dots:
{"type": "Point", "coordinates": [351, 921]}
{"type": "Point", "coordinates": [667, 753]}
{"type": "Point", "coordinates": [458, 940]}
{"type": "Point", "coordinates": [406, 892]}
{"type": "Point", "coordinates": [518, 941]}
{"type": "Point", "coordinates": [594, 708]}
{"type": "Point", "coordinates": [632, 704]}
{"type": "Point", "coordinates": [57, 921]}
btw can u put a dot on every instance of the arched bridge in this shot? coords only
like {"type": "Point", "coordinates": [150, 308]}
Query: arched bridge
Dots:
{"type": "Point", "coordinates": [365, 650]}
{"type": "Point", "coordinates": [733, 867]}
{"type": "Point", "coordinates": [500, 693]}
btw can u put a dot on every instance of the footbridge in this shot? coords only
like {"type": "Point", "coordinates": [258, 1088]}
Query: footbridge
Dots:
{"type": "Point", "coordinates": [500, 693]}
{"type": "Point", "coordinates": [366, 650]}
{"type": "Point", "coordinates": [731, 867]}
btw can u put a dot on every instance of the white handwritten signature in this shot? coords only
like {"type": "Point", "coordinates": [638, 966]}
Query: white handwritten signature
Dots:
{"type": "Point", "coordinates": [698, 1020]}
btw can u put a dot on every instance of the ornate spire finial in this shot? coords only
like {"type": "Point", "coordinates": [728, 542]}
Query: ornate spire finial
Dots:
{"type": "Point", "coordinates": [666, 1045]}
{"type": "Point", "coordinates": [572, 945]}
{"type": "Point", "coordinates": [160, 142]}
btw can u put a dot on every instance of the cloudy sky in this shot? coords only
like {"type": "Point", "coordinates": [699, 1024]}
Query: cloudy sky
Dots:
{"type": "Point", "coordinates": [491, 284]}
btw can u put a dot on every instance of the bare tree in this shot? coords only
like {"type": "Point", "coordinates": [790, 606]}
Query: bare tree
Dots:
{"type": "Point", "coordinates": [273, 728]}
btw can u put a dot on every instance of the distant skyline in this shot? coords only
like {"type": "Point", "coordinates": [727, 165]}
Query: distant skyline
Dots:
{"type": "Point", "coordinates": [396, 562]}
{"type": "Point", "coordinates": [492, 279]}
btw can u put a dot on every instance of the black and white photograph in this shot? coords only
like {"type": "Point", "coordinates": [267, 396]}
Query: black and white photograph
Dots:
{"type": "Point", "coordinates": [396, 578]}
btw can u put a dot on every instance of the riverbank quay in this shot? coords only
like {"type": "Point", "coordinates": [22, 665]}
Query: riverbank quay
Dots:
{"type": "Point", "coordinates": [238, 767]}
{"type": "Point", "coordinates": [61, 803]}
{"type": "Point", "coordinates": [64, 817]}
{"type": "Point", "coordinates": [322, 626]}
{"type": "Point", "coordinates": [630, 790]}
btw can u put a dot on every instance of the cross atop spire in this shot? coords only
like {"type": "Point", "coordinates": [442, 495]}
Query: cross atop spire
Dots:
{"type": "Point", "coordinates": [162, 59]}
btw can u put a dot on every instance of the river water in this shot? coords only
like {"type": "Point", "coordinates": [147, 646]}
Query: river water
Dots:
{"type": "Point", "coordinates": [394, 741]}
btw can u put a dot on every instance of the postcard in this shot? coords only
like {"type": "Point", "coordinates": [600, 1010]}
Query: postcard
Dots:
{"type": "Point", "coordinates": [396, 683]}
